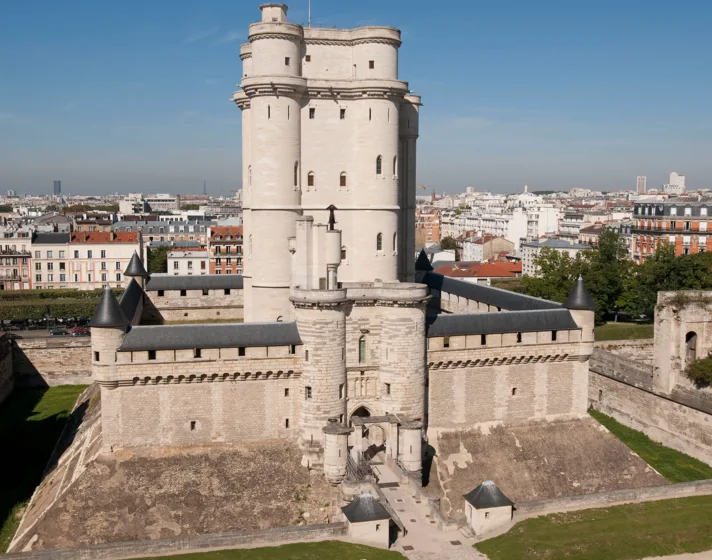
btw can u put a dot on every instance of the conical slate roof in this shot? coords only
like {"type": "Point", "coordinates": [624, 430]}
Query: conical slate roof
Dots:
{"type": "Point", "coordinates": [579, 298]}
{"type": "Point", "coordinates": [108, 313]}
{"type": "Point", "coordinates": [135, 267]}
{"type": "Point", "coordinates": [488, 495]}
{"type": "Point", "coordinates": [423, 262]}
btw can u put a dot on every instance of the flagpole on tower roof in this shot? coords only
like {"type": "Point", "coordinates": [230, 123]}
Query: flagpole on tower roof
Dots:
{"type": "Point", "coordinates": [309, 15]}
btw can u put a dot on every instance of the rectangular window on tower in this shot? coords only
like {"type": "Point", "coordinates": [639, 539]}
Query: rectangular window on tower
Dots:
{"type": "Point", "coordinates": [286, 61]}
{"type": "Point", "coordinates": [342, 114]}
{"type": "Point", "coordinates": [312, 112]}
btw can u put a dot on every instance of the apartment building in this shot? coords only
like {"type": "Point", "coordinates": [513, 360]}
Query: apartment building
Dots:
{"type": "Point", "coordinates": [170, 231]}
{"type": "Point", "coordinates": [683, 222]}
{"type": "Point", "coordinates": [532, 249]}
{"type": "Point", "coordinates": [225, 250]}
{"type": "Point", "coordinates": [82, 260]}
{"type": "Point", "coordinates": [188, 263]}
{"type": "Point", "coordinates": [15, 260]}
{"type": "Point", "coordinates": [427, 227]}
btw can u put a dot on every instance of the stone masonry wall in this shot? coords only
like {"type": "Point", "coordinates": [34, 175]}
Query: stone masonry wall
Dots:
{"type": "Point", "coordinates": [451, 303]}
{"type": "Point", "coordinates": [673, 424]}
{"type": "Point", "coordinates": [7, 380]}
{"type": "Point", "coordinates": [197, 306]}
{"type": "Point", "coordinates": [640, 351]}
{"type": "Point", "coordinates": [52, 361]}
{"type": "Point", "coordinates": [508, 384]}
{"type": "Point", "coordinates": [624, 369]}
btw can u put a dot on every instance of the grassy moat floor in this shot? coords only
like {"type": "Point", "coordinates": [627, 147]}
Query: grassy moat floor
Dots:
{"type": "Point", "coordinates": [673, 465]}
{"type": "Point", "coordinates": [31, 421]}
{"type": "Point", "coordinates": [615, 533]}
{"type": "Point", "coordinates": [326, 550]}
{"type": "Point", "coordinates": [623, 331]}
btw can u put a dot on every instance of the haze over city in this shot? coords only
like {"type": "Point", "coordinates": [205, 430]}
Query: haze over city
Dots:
{"type": "Point", "coordinates": [135, 96]}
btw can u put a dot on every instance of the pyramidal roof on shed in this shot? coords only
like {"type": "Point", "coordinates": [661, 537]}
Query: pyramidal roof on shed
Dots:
{"type": "Point", "coordinates": [488, 495]}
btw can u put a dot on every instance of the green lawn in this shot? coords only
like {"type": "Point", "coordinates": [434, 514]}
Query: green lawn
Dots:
{"type": "Point", "coordinates": [673, 465]}
{"type": "Point", "coordinates": [614, 533]}
{"type": "Point", "coordinates": [624, 331]}
{"type": "Point", "coordinates": [31, 421]}
{"type": "Point", "coordinates": [327, 550]}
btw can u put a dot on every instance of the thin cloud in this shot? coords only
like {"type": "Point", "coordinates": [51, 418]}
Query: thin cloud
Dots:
{"type": "Point", "coordinates": [6, 116]}
{"type": "Point", "coordinates": [200, 35]}
{"type": "Point", "coordinates": [230, 37]}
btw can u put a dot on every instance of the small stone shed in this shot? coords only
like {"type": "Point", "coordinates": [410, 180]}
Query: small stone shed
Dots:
{"type": "Point", "coordinates": [487, 508]}
{"type": "Point", "coordinates": [368, 521]}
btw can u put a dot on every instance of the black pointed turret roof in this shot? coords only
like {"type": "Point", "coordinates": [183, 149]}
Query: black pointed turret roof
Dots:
{"type": "Point", "coordinates": [365, 508]}
{"type": "Point", "coordinates": [579, 298]}
{"type": "Point", "coordinates": [488, 495]}
{"type": "Point", "coordinates": [423, 262]}
{"type": "Point", "coordinates": [136, 267]}
{"type": "Point", "coordinates": [108, 313]}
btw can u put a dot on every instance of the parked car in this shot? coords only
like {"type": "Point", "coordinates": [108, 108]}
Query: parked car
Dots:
{"type": "Point", "coordinates": [58, 332]}
{"type": "Point", "coordinates": [80, 331]}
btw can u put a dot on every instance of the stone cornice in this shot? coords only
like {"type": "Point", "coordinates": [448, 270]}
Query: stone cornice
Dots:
{"type": "Point", "coordinates": [503, 361]}
{"type": "Point", "coordinates": [351, 42]}
{"type": "Point", "coordinates": [194, 379]}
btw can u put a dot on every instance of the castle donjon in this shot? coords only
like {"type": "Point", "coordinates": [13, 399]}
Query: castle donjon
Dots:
{"type": "Point", "coordinates": [349, 341]}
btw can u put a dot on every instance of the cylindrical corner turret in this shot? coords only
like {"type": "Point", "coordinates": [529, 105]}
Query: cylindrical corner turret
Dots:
{"type": "Point", "coordinates": [274, 12]}
{"type": "Point", "coordinates": [583, 310]}
{"type": "Point", "coordinates": [108, 328]}
{"type": "Point", "coordinates": [321, 320]}
{"type": "Point", "coordinates": [411, 446]}
{"type": "Point", "coordinates": [336, 437]}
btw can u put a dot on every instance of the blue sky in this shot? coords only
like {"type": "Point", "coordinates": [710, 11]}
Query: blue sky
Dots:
{"type": "Point", "coordinates": [133, 95]}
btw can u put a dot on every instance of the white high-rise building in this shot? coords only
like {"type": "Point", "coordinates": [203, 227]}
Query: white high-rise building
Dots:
{"type": "Point", "coordinates": [642, 185]}
{"type": "Point", "coordinates": [325, 121]}
{"type": "Point", "coordinates": [677, 180]}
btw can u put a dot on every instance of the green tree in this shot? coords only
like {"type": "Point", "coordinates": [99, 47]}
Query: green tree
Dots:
{"type": "Point", "coordinates": [158, 260]}
{"type": "Point", "coordinates": [190, 207]}
{"type": "Point", "coordinates": [700, 371]}
{"type": "Point", "coordinates": [448, 244]}
{"type": "Point", "coordinates": [5, 208]}
{"type": "Point", "coordinates": [557, 272]}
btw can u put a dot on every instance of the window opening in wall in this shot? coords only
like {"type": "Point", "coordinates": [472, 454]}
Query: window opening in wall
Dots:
{"type": "Point", "coordinates": [342, 114]}
{"type": "Point", "coordinates": [379, 242]}
{"type": "Point", "coordinates": [241, 351]}
{"type": "Point", "coordinates": [227, 291]}
{"type": "Point", "coordinates": [341, 418]}
{"type": "Point", "coordinates": [600, 395]}
{"type": "Point", "coordinates": [514, 391]}
{"type": "Point", "coordinates": [96, 356]}
{"type": "Point", "coordinates": [312, 112]}
{"type": "Point", "coordinates": [369, 113]}
{"type": "Point", "coordinates": [296, 173]}
{"type": "Point", "coordinates": [395, 166]}
{"type": "Point", "coordinates": [160, 292]}
{"type": "Point", "coordinates": [306, 355]}
{"type": "Point", "coordinates": [249, 175]}
{"type": "Point", "coordinates": [395, 242]}
{"type": "Point", "coordinates": [487, 514]}
{"type": "Point", "coordinates": [269, 111]}
{"type": "Point", "coordinates": [288, 112]}
{"type": "Point", "coordinates": [307, 392]}
{"type": "Point", "coordinates": [292, 349]}
{"type": "Point", "coordinates": [286, 61]}
{"type": "Point", "coordinates": [342, 180]}
{"type": "Point", "coordinates": [371, 64]}
{"type": "Point", "coordinates": [183, 293]}
{"type": "Point", "coordinates": [206, 292]}
{"type": "Point", "coordinates": [307, 58]}
{"type": "Point", "coordinates": [362, 350]}
{"type": "Point", "coordinates": [388, 388]}
{"type": "Point", "coordinates": [519, 337]}
{"type": "Point", "coordinates": [483, 339]}
{"type": "Point", "coordinates": [379, 165]}
{"type": "Point", "coordinates": [446, 342]}
{"type": "Point", "coordinates": [192, 425]}
{"type": "Point", "coordinates": [343, 253]}
{"type": "Point", "coordinates": [286, 422]}
{"type": "Point", "coordinates": [553, 336]}
{"type": "Point", "coordinates": [286, 391]}
{"type": "Point", "coordinates": [151, 354]}
{"type": "Point", "coordinates": [341, 391]}
{"type": "Point", "coordinates": [378, 526]}
{"type": "Point", "coordinates": [310, 179]}
{"type": "Point", "coordinates": [197, 352]}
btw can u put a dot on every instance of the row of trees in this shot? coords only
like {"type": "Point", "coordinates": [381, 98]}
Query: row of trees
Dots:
{"type": "Point", "coordinates": [616, 283]}
{"type": "Point", "coordinates": [22, 305]}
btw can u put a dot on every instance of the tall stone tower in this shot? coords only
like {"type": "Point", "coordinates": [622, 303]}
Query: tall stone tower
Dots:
{"type": "Point", "coordinates": [326, 121]}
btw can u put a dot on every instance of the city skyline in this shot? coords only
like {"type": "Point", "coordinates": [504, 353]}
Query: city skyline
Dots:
{"type": "Point", "coordinates": [135, 98]}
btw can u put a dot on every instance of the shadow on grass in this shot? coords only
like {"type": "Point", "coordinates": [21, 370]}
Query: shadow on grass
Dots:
{"type": "Point", "coordinates": [28, 434]}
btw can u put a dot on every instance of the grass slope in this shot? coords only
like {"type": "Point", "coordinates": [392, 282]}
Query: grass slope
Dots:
{"type": "Point", "coordinates": [615, 533]}
{"type": "Point", "coordinates": [31, 421]}
{"type": "Point", "coordinates": [326, 550]}
{"type": "Point", "coordinates": [623, 331]}
{"type": "Point", "coordinates": [673, 465]}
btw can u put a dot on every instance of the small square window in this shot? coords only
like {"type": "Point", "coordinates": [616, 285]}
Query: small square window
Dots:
{"type": "Point", "coordinates": [197, 353]}
{"type": "Point", "coordinates": [151, 354]}
{"type": "Point", "coordinates": [312, 112]}
{"type": "Point", "coordinates": [519, 338]}
{"type": "Point", "coordinates": [292, 349]}
{"type": "Point", "coordinates": [308, 58]}
{"type": "Point", "coordinates": [446, 342]}
{"type": "Point", "coordinates": [206, 292]}
{"type": "Point", "coordinates": [307, 393]}
{"type": "Point", "coordinates": [342, 114]}
{"type": "Point", "coordinates": [487, 514]}
{"type": "Point", "coordinates": [96, 356]}
{"type": "Point", "coordinates": [183, 293]}
{"type": "Point", "coordinates": [286, 391]}
{"type": "Point", "coordinates": [241, 351]}
{"type": "Point", "coordinates": [553, 336]}
{"type": "Point", "coordinates": [286, 61]}
{"type": "Point", "coordinates": [514, 391]}
{"type": "Point", "coordinates": [483, 339]}
{"type": "Point", "coordinates": [371, 64]}
{"type": "Point", "coordinates": [227, 291]}
{"type": "Point", "coordinates": [192, 425]}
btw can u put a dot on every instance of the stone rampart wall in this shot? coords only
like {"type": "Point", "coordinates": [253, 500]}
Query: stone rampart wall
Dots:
{"type": "Point", "coordinates": [509, 384]}
{"type": "Point", "coordinates": [640, 350]}
{"type": "Point", "coordinates": [622, 368]}
{"type": "Point", "coordinates": [41, 362]}
{"type": "Point", "coordinates": [195, 305]}
{"type": "Point", "coordinates": [451, 303]}
{"type": "Point", "coordinates": [615, 497]}
{"type": "Point", "coordinates": [7, 380]}
{"type": "Point", "coordinates": [177, 545]}
{"type": "Point", "coordinates": [671, 423]}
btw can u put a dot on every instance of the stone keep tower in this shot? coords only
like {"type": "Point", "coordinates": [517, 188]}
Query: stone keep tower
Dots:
{"type": "Point", "coordinates": [325, 121]}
